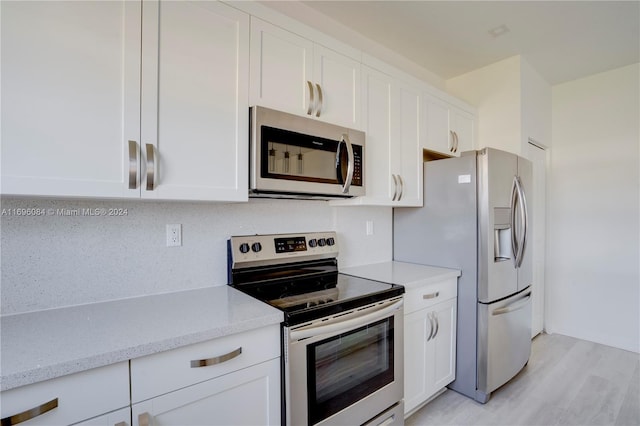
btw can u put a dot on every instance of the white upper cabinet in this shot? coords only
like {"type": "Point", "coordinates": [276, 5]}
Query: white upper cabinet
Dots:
{"type": "Point", "coordinates": [450, 130]}
{"type": "Point", "coordinates": [70, 97]}
{"type": "Point", "coordinates": [291, 73]}
{"type": "Point", "coordinates": [393, 155]}
{"type": "Point", "coordinates": [107, 99]}
{"type": "Point", "coordinates": [195, 129]}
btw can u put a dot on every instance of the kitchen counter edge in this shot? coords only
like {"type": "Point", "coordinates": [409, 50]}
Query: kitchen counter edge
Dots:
{"type": "Point", "coordinates": [43, 345]}
{"type": "Point", "coordinates": [410, 275]}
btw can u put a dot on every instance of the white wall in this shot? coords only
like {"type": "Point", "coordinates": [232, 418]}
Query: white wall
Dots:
{"type": "Point", "coordinates": [593, 277]}
{"type": "Point", "coordinates": [536, 107]}
{"type": "Point", "coordinates": [54, 260]}
{"type": "Point", "coordinates": [495, 90]}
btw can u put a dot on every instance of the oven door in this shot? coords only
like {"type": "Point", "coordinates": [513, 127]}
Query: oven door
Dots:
{"type": "Point", "coordinates": [297, 155]}
{"type": "Point", "coordinates": [347, 369]}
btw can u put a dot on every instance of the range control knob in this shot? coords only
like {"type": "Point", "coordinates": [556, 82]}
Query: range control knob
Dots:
{"type": "Point", "coordinates": [256, 247]}
{"type": "Point", "coordinates": [322, 242]}
{"type": "Point", "coordinates": [331, 241]}
{"type": "Point", "coordinates": [244, 248]}
{"type": "Point", "coordinates": [313, 242]}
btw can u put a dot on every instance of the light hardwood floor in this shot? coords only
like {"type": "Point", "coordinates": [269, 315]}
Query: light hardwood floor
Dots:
{"type": "Point", "coordinates": [567, 382]}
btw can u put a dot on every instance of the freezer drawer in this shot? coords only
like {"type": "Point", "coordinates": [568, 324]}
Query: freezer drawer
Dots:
{"type": "Point", "coordinates": [504, 340]}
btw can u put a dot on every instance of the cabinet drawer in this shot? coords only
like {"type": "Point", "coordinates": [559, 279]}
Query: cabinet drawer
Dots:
{"type": "Point", "coordinates": [429, 295]}
{"type": "Point", "coordinates": [164, 372]}
{"type": "Point", "coordinates": [78, 396]}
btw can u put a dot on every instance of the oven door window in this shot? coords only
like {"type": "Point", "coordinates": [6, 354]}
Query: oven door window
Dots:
{"type": "Point", "coordinates": [345, 368]}
{"type": "Point", "coordinates": [295, 156]}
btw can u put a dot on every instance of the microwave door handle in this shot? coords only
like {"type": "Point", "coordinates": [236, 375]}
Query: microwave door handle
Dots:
{"type": "Point", "coordinates": [350, 165]}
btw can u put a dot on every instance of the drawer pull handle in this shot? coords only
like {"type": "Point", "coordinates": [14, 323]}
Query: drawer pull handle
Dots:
{"type": "Point", "coordinates": [197, 363]}
{"type": "Point", "coordinates": [431, 295]}
{"type": "Point", "coordinates": [133, 165]}
{"type": "Point", "coordinates": [144, 419]}
{"type": "Point", "coordinates": [30, 414]}
{"type": "Point", "coordinates": [152, 168]}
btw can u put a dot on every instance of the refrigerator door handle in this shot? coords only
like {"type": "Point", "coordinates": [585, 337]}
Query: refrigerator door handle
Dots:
{"type": "Point", "coordinates": [515, 250]}
{"type": "Point", "coordinates": [524, 216]}
{"type": "Point", "coordinates": [519, 304]}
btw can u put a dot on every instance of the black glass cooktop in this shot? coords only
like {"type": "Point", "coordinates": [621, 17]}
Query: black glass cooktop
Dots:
{"type": "Point", "coordinates": [311, 290]}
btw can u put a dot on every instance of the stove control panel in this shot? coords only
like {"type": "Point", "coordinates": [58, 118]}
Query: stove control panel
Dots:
{"type": "Point", "coordinates": [255, 250]}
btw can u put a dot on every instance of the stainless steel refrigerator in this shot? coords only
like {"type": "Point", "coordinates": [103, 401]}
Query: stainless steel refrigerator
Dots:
{"type": "Point", "coordinates": [475, 218]}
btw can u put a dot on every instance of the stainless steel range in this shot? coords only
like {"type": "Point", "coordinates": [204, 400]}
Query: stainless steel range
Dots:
{"type": "Point", "coordinates": [342, 361]}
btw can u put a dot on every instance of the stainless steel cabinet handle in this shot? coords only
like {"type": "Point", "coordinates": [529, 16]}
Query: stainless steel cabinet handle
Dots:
{"type": "Point", "coordinates": [144, 419]}
{"type": "Point", "coordinates": [395, 186]}
{"type": "Point", "coordinates": [30, 414]}
{"type": "Point", "coordinates": [431, 326]}
{"type": "Point", "coordinates": [133, 164]}
{"type": "Point", "coordinates": [455, 140]}
{"type": "Point", "coordinates": [401, 187]}
{"type": "Point", "coordinates": [311, 98]}
{"type": "Point", "coordinates": [151, 167]}
{"type": "Point", "coordinates": [519, 304]}
{"type": "Point", "coordinates": [320, 100]}
{"type": "Point", "coordinates": [197, 363]}
{"type": "Point", "coordinates": [451, 140]}
{"type": "Point", "coordinates": [435, 318]}
{"type": "Point", "coordinates": [121, 424]}
{"type": "Point", "coordinates": [431, 295]}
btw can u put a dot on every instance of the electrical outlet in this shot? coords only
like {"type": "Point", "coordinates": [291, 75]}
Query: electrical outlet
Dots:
{"type": "Point", "coordinates": [369, 227]}
{"type": "Point", "coordinates": [174, 235]}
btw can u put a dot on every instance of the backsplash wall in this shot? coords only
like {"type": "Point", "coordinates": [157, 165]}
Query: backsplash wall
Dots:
{"type": "Point", "coordinates": [67, 256]}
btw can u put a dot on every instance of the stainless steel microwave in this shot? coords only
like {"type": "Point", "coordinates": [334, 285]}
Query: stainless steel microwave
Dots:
{"type": "Point", "coordinates": [299, 157]}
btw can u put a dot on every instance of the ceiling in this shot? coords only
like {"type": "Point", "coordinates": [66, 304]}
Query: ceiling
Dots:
{"type": "Point", "coordinates": [562, 40]}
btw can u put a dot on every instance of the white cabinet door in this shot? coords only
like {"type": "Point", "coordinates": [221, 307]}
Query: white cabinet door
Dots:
{"type": "Point", "coordinates": [439, 137]}
{"type": "Point", "coordinates": [430, 348]}
{"type": "Point", "coordinates": [292, 74]}
{"type": "Point", "coordinates": [70, 97]}
{"type": "Point", "coordinates": [462, 124]}
{"type": "Point", "coordinates": [337, 79]}
{"type": "Point", "coordinates": [406, 148]}
{"type": "Point", "coordinates": [393, 154]}
{"type": "Point", "coordinates": [377, 89]}
{"type": "Point", "coordinates": [418, 378]}
{"type": "Point", "coordinates": [281, 69]}
{"type": "Point", "coordinates": [444, 344]}
{"type": "Point", "coordinates": [250, 396]}
{"type": "Point", "coordinates": [195, 101]}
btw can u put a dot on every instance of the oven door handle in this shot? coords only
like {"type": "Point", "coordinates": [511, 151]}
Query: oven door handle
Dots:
{"type": "Point", "coordinates": [344, 325]}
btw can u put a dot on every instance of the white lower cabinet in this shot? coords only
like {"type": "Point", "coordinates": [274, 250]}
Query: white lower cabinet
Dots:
{"type": "Point", "coordinates": [232, 380]}
{"type": "Point", "coordinates": [72, 399]}
{"type": "Point", "coordinates": [430, 342]}
{"type": "Point", "coordinates": [250, 396]}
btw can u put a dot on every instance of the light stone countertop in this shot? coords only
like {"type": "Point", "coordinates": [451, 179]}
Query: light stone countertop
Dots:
{"type": "Point", "coordinates": [407, 274]}
{"type": "Point", "coordinates": [43, 345]}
